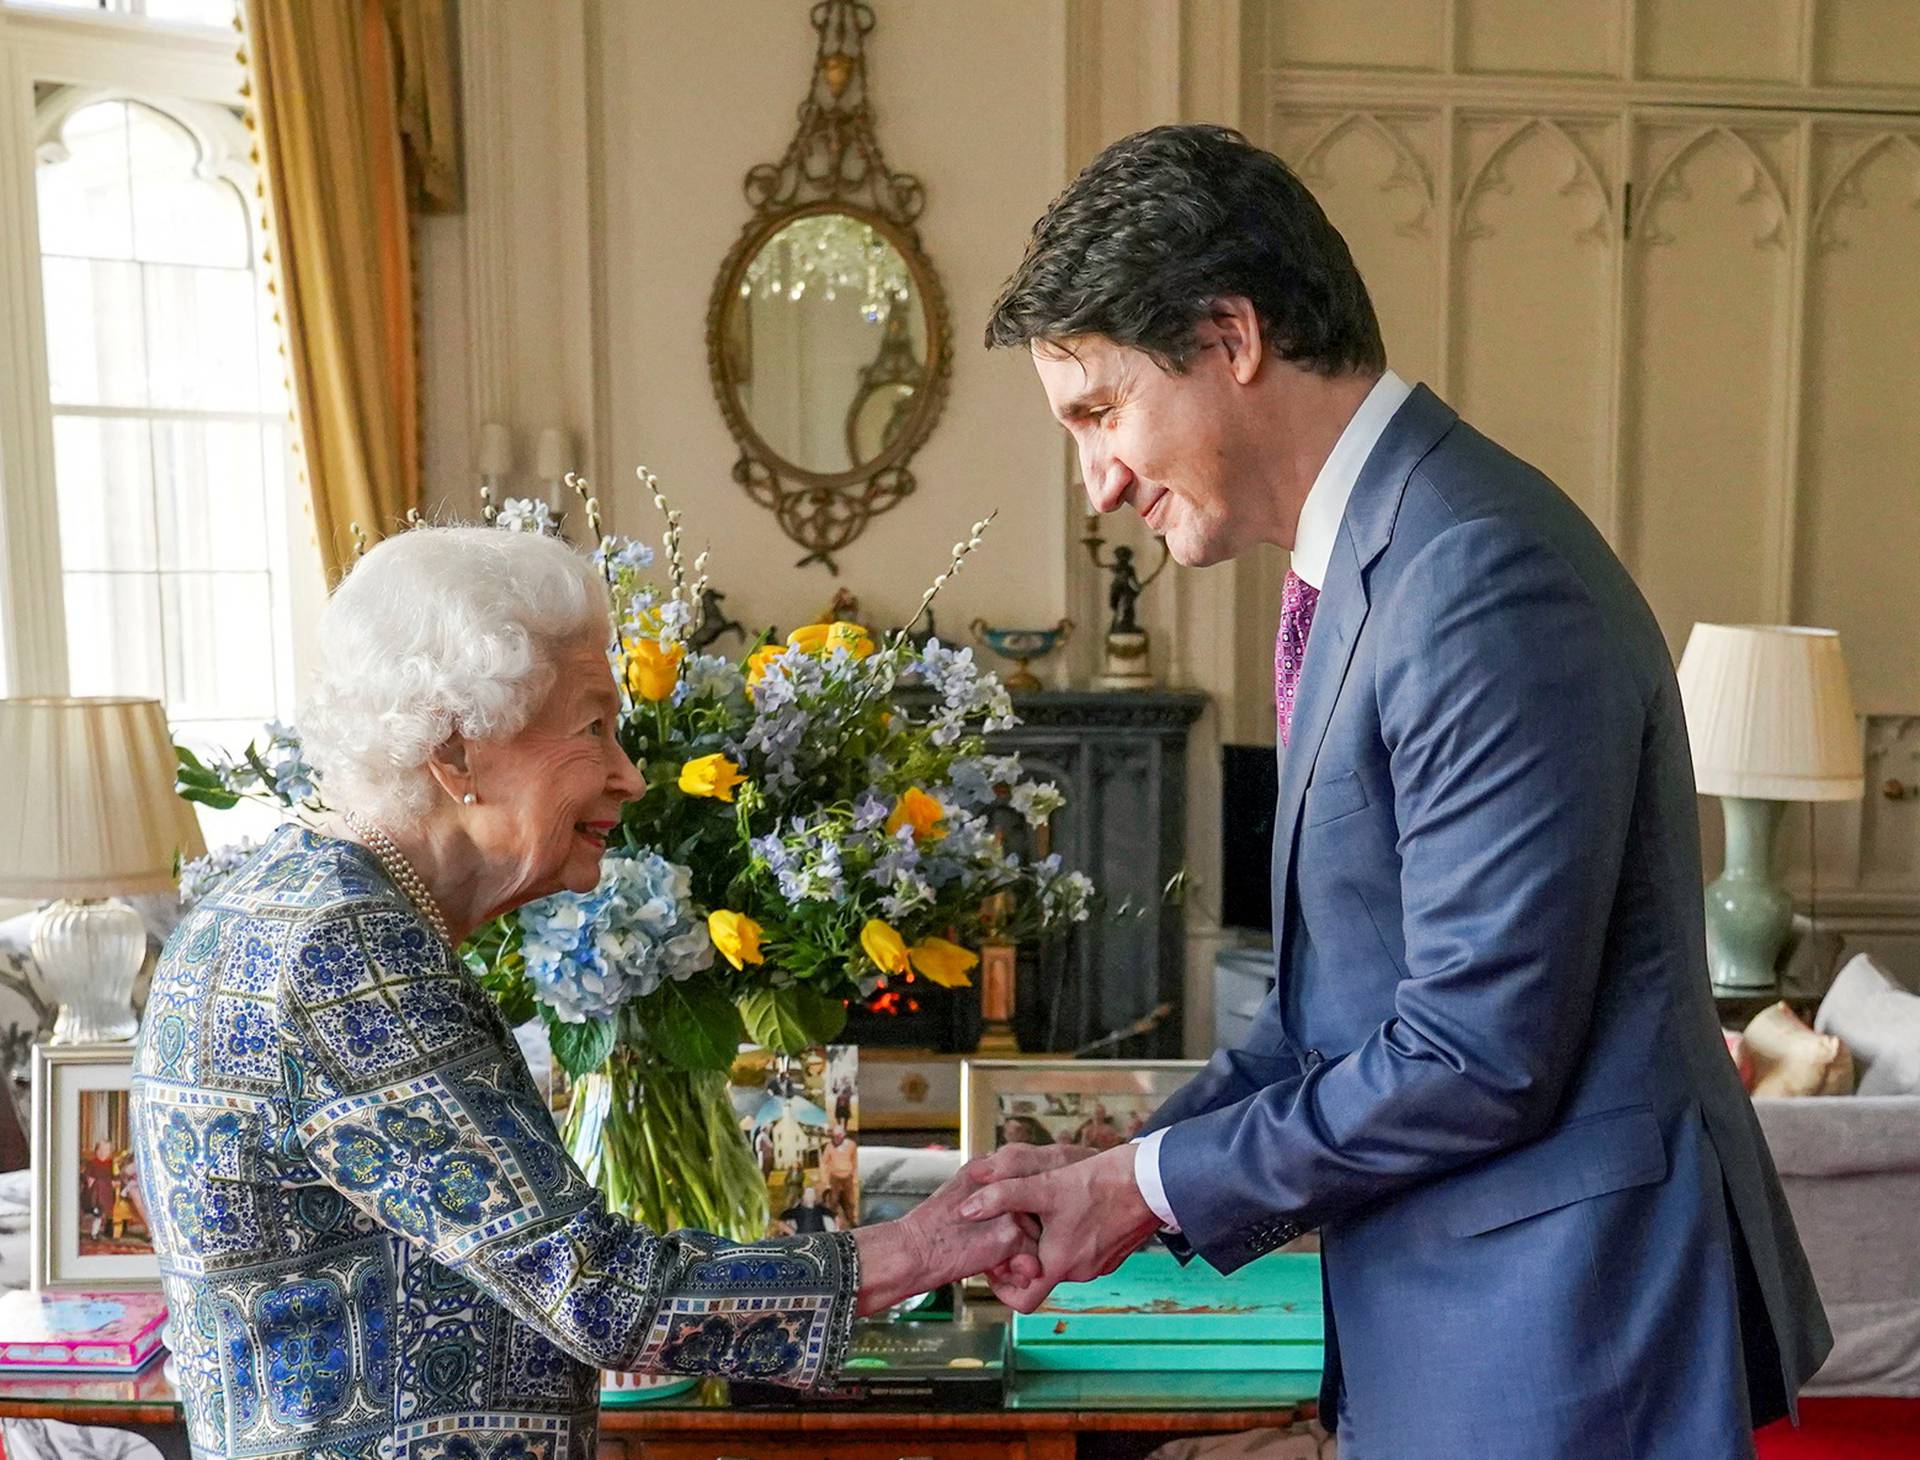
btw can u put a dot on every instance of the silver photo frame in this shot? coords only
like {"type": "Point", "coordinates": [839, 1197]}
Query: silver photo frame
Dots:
{"type": "Point", "coordinates": [90, 1226]}
{"type": "Point", "coordinates": [1070, 1102]}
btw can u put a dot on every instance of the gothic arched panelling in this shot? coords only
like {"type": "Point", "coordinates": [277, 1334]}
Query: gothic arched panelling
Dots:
{"type": "Point", "coordinates": [1860, 435]}
{"type": "Point", "coordinates": [1373, 173]}
{"type": "Point", "coordinates": [1533, 264]}
{"type": "Point", "coordinates": [1708, 330]}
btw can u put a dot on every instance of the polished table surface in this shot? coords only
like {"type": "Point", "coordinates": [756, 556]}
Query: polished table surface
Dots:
{"type": "Point", "coordinates": [1036, 1402]}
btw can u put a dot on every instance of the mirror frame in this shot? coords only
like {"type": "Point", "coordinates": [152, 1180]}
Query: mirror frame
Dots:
{"type": "Point", "coordinates": [867, 487]}
{"type": "Point", "coordinates": [832, 165]}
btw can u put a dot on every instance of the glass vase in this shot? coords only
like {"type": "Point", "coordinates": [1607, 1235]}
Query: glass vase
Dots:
{"type": "Point", "coordinates": [666, 1148]}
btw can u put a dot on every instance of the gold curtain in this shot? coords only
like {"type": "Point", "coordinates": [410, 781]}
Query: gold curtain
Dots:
{"type": "Point", "coordinates": [353, 103]}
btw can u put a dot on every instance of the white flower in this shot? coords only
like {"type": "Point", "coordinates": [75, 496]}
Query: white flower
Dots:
{"type": "Point", "coordinates": [524, 514]}
{"type": "Point", "coordinates": [1037, 801]}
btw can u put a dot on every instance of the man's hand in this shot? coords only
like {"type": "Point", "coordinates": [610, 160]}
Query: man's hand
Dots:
{"type": "Point", "coordinates": [1090, 1210]}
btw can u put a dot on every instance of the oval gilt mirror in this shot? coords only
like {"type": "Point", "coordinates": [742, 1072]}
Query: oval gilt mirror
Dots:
{"type": "Point", "coordinates": [824, 338]}
{"type": "Point", "coordinates": [827, 334]}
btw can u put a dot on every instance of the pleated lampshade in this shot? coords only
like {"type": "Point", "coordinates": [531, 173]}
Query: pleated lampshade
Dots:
{"type": "Point", "coordinates": [87, 805]}
{"type": "Point", "coordinates": [1770, 713]}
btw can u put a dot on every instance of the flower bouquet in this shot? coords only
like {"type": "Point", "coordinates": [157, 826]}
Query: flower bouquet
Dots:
{"type": "Point", "coordinates": [803, 838]}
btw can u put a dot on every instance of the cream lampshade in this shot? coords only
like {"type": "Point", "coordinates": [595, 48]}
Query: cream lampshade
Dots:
{"type": "Point", "coordinates": [88, 811]}
{"type": "Point", "coordinates": [1770, 719]}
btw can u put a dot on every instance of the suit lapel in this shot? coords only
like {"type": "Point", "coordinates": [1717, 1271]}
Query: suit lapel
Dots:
{"type": "Point", "coordinates": [1365, 531]}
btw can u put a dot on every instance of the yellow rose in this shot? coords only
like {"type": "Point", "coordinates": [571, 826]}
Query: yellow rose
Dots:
{"type": "Point", "coordinates": [653, 668]}
{"type": "Point", "coordinates": [737, 936]}
{"type": "Point", "coordinates": [710, 775]}
{"type": "Point", "coordinates": [759, 662]}
{"type": "Point", "coordinates": [886, 948]}
{"type": "Point", "coordinates": [851, 637]}
{"type": "Point", "coordinates": [920, 811]}
{"type": "Point", "coordinates": [942, 962]}
{"type": "Point", "coordinates": [812, 639]}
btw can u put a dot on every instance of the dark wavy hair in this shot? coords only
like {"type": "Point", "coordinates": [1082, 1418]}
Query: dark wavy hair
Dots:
{"type": "Point", "coordinates": [1167, 221]}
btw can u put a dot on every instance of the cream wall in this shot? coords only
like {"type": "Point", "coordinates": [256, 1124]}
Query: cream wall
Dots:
{"type": "Point", "coordinates": [621, 174]}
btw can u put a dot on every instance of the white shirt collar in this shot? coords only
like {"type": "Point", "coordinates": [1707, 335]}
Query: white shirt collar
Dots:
{"type": "Point", "coordinates": [1326, 504]}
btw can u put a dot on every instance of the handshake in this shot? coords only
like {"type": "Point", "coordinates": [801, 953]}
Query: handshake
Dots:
{"type": "Point", "coordinates": [1026, 1217]}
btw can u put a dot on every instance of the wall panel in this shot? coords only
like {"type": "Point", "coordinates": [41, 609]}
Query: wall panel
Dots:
{"type": "Point", "coordinates": [1375, 174]}
{"type": "Point", "coordinates": [1860, 443]}
{"type": "Point", "coordinates": [1535, 235]}
{"type": "Point", "coordinates": [1709, 282]}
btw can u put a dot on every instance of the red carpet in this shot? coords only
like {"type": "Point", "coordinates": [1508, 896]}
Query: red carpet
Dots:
{"type": "Point", "coordinates": [1846, 1429]}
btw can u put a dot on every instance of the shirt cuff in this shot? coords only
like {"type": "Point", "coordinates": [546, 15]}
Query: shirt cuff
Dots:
{"type": "Point", "coordinates": [1146, 1175]}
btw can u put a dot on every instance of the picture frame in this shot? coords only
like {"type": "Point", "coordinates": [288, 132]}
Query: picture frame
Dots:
{"type": "Point", "coordinates": [89, 1227]}
{"type": "Point", "coordinates": [801, 1115]}
{"type": "Point", "coordinates": [1068, 1102]}
{"type": "Point", "coordinates": [908, 1089]}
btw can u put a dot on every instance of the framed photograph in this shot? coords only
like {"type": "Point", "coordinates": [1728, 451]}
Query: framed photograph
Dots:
{"type": "Point", "coordinates": [909, 1089]}
{"type": "Point", "coordinates": [89, 1221]}
{"type": "Point", "coordinates": [1097, 1103]}
{"type": "Point", "coordinates": [801, 1115]}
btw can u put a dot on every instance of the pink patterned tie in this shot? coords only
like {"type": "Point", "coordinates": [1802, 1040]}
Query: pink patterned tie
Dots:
{"type": "Point", "coordinates": [1290, 648]}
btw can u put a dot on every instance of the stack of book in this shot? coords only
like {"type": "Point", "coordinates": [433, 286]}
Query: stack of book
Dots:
{"type": "Point", "coordinates": [931, 1366]}
{"type": "Point", "coordinates": [80, 1333]}
{"type": "Point", "coordinates": [1152, 1314]}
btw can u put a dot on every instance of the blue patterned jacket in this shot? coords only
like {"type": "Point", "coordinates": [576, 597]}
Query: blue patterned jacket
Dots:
{"type": "Point", "coordinates": [371, 1239]}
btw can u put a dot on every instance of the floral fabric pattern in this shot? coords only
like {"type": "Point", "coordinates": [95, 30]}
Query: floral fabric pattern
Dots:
{"type": "Point", "coordinates": [371, 1238]}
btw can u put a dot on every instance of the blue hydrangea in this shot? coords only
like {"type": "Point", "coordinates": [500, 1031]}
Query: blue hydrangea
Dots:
{"type": "Point", "coordinates": [588, 954]}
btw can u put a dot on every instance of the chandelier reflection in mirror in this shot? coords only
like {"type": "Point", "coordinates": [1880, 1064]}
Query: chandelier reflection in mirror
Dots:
{"type": "Point", "coordinates": [833, 253]}
{"type": "Point", "coordinates": [827, 333]}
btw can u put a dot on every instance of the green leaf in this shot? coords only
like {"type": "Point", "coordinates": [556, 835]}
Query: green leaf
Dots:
{"type": "Point", "coordinates": [694, 1025]}
{"type": "Point", "coordinates": [793, 1018]}
{"type": "Point", "coordinates": [581, 1048]}
{"type": "Point", "coordinates": [188, 759]}
{"type": "Point", "coordinates": [219, 800]}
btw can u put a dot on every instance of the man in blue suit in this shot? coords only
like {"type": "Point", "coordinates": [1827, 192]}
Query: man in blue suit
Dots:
{"type": "Point", "coordinates": [1490, 1073]}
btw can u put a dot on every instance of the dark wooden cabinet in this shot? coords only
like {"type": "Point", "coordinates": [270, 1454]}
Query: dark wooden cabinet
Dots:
{"type": "Point", "coordinates": [1121, 759]}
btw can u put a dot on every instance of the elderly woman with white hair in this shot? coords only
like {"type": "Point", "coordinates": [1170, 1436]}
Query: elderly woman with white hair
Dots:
{"type": "Point", "coordinates": [372, 1241]}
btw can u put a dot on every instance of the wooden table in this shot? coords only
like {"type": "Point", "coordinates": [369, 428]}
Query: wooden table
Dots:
{"type": "Point", "coordinates": [1047, 1417]}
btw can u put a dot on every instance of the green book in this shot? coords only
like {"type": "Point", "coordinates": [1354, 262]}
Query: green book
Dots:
{"type": "Point", "coordinates": [1150, 1313]}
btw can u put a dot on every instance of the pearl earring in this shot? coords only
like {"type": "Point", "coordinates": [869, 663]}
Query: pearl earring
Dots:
{"type": "Point", "coordinates": [468, 799]}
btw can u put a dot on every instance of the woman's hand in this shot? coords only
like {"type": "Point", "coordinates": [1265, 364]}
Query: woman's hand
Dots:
{"type": "Point", "coordinates": [933, 1245]}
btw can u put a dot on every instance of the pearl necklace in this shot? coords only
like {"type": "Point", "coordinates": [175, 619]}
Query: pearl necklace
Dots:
{"type": "Point", "coordinates": [394, 862]}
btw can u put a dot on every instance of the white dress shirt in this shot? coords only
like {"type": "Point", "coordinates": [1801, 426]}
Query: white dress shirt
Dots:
{"type": "Point", "coordinates": [1313, 539]}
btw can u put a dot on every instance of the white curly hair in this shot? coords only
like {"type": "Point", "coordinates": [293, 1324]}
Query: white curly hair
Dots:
{"type": "Point", "coordinates": [437, 631]}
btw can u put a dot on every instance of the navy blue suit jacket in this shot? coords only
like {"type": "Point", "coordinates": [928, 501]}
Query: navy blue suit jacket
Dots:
{"type": "Point", "coordinates": [1491, 1073]}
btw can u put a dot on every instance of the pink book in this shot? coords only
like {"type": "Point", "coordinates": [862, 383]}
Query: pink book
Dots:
{"type": "Point", "coordinates": [95, 1333]}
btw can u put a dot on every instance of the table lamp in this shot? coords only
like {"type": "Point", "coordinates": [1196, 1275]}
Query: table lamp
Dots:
{"type": "Point", "coordinates": [87, 812]}
{"type": "Point", "coordinates": [1770, 718]}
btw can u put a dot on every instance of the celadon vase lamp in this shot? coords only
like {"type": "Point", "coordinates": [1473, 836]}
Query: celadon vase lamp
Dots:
{"type": "Point", "coordinates": [1770, 718]}
{"type": "Point", "coordinates": [87, 813]}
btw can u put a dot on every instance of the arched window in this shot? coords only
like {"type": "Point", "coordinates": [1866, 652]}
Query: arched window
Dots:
{"type": "Point", "coordinates": [170, 434]}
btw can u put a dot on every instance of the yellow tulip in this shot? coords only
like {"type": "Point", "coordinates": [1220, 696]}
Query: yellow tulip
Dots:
{"type": "Point", "coordinates": [812, 639]}
{"type": "Point", "coordinates": [759, 662]}
{"type": "Point", "coordinates": [851, 637]}
{"type": "Point", "coordinates": [653, 668]}
{"type": "Point", "coordinates": [942, 962]}
{"type": "Point", "coordinates": [737, 936]}
{"type": "Point", "coordinates": [884, 946]}
{"type": "Point", "coordinates": [920, 811]}
{"type": "Point", "coordinates": [710, 775]}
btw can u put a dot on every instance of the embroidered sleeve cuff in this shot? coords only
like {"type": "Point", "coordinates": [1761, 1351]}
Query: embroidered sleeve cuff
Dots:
{"type": "Point", "coordinates": [1146, 1175]}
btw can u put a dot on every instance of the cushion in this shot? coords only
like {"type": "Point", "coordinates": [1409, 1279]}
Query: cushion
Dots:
{"type": "Point", "coordinates": [1787, 1058]}
{"type": "Point", "coordinates": [1879, 1021]}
